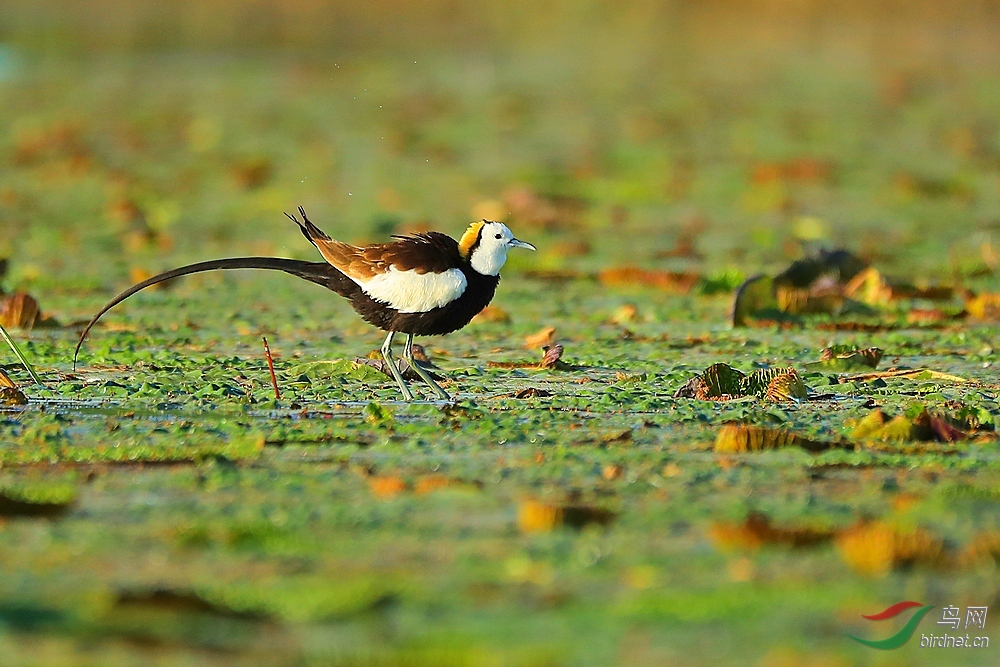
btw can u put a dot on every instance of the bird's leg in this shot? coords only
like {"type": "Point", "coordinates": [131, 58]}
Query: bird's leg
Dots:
{"type": "Point", "coordinates": [421, 371]}
{"type": "Point", "coordinates": [393, 368]}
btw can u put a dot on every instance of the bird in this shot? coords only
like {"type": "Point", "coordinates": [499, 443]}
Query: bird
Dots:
{"type": "Point", "coordinates": [422, 284]}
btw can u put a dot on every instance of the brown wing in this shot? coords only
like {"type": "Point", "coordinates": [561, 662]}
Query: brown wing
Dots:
{"type": "Point", "coordinates": [431, 252]}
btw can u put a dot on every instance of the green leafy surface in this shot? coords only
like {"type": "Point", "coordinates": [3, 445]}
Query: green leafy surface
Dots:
{"type": "Point", "coordinates": [163, 509]}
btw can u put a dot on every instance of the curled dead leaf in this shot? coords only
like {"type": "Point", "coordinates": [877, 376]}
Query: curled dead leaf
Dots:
{"type": "Point", "coordinates": [786, 387]}
{"type": "Point", "coordinates": [551, 356]}
{"type": "Point", "coordinates": [540, 338]}
{"type": "Point", "coordinates": [19, 311]}
{"type": "Point", "coordinates": [10, 394]}
{"type": "Point", "coordinates": [722, 382]}
{"type": "Point", "coordinates": [925, 427]}
{"type": "Point", "coordinates": [868, 286]}
{"type": "Point", "coordinates": [740, 438]}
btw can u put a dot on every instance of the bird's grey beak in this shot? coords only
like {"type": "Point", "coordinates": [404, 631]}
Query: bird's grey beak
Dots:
{"type": "Point", "coordinates": [514, 243]}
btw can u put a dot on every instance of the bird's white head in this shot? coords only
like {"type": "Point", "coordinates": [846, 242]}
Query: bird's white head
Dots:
{"type": "Point", "coordinates": [485, 245]}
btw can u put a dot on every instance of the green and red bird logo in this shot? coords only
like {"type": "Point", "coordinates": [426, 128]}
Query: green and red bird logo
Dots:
{"type": "Point", "coordinates": [904, 633]}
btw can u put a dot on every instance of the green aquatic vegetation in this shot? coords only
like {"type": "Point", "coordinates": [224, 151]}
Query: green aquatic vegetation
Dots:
{"type": "Point", "coordinates": [163, 507]}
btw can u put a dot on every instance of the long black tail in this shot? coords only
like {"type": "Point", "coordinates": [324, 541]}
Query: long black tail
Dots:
{"type": "Point", "coordinates": [317, 272]}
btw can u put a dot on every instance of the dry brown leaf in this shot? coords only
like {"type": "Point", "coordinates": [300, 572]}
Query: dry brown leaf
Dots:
{"type": "Point", "coordinates": [572, 248]}
{"type": "Point", "coordinates": [541, 338]}
{"type": "Point", "coordinates": [538, 517]}
{"type": "Point", "coordinates": [736, 438]}
{"type": "Point", "coordinates": [874, 548]}
{"type": "Point", "coordinates": [868, 286]}
{"type": "Point", "coordinates": [492, 313]}
{"type": "Point", "coordinates": [625, 314]}
{"type": "Point", "coordinates": [984, 306]}
{"type": "Point", "coordinates": [612, 471]}
{"type": "Point", "coordinates": [387, 487]}
{"type": "Point", "coordinates": [535, 516]}
{"type": "Point", "coordinates": [666, 280]}
{"type": "Point", "coordinates": [757, 531]}
{"type": "Point", "coordinates": [983, 549]}
{"type": "Point", "coordinates": [551, 356]}
{"type": "Point", "coordinates": [137, 274]}
{"type": "Point", "coordinates": [431, 483]}
{"type": "Point", "coordinates": [19, 311]}
{"type": "Point", "coordinates": [12, 396]}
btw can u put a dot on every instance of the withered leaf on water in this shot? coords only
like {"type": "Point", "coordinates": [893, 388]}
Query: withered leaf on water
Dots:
{"type": "Point", "coordinates": [551, 356]}
{"type": "Point", "coordinates": [722, 382]}
{"type": "Point", "coordinates": [847, 357]}
{"type": "Point", "coordinates": [19, 311]}
{"type": "Point", "coordinates": [984, 306]}
{"type": "Point", "coordinates": [875, 547]}
{"type": "Point", "coordinates": [540, 339]}
{"type": "Point", "coordinates": [740, 438]}
{"type": "Point", "coordinates": [534, 516]}
{"type": "Point", "coordinates": [5, 381]}
{"type": "Point", "coordinates": [669, 281]}
{"type": "Point", "coordinates": [757, 530]}
{"type": "Point", "coordinates": [492, 313]}
{"type": "Point", "coordinates": [924, 427]}
{"type": "Point", "coordinates": [10, 394]}
{"type": "Point", "coordinates": [835, 282]}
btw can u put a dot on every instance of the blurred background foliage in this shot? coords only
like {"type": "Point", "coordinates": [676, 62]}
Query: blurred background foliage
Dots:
{"type": "Point", "coordinates": [139, 133]}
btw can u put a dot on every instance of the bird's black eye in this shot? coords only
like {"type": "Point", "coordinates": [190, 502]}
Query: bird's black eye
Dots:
{"type": "Point", "coordinates": [499, 236]}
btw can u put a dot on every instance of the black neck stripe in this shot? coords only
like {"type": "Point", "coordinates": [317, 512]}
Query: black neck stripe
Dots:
{"type": "Point", "coordinates": [479, 237]}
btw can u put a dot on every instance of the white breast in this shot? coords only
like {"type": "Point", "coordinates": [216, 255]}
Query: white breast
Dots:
{"type": "Point", "coordinates": [412, 292]}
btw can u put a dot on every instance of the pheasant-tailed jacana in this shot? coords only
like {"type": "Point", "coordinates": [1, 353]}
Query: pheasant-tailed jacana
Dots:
{"type": "Point", "coordinates": [424, 284]}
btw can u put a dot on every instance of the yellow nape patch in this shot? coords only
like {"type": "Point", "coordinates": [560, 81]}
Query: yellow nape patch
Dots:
{"type": "Point", "coordinates": [469, 238]}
